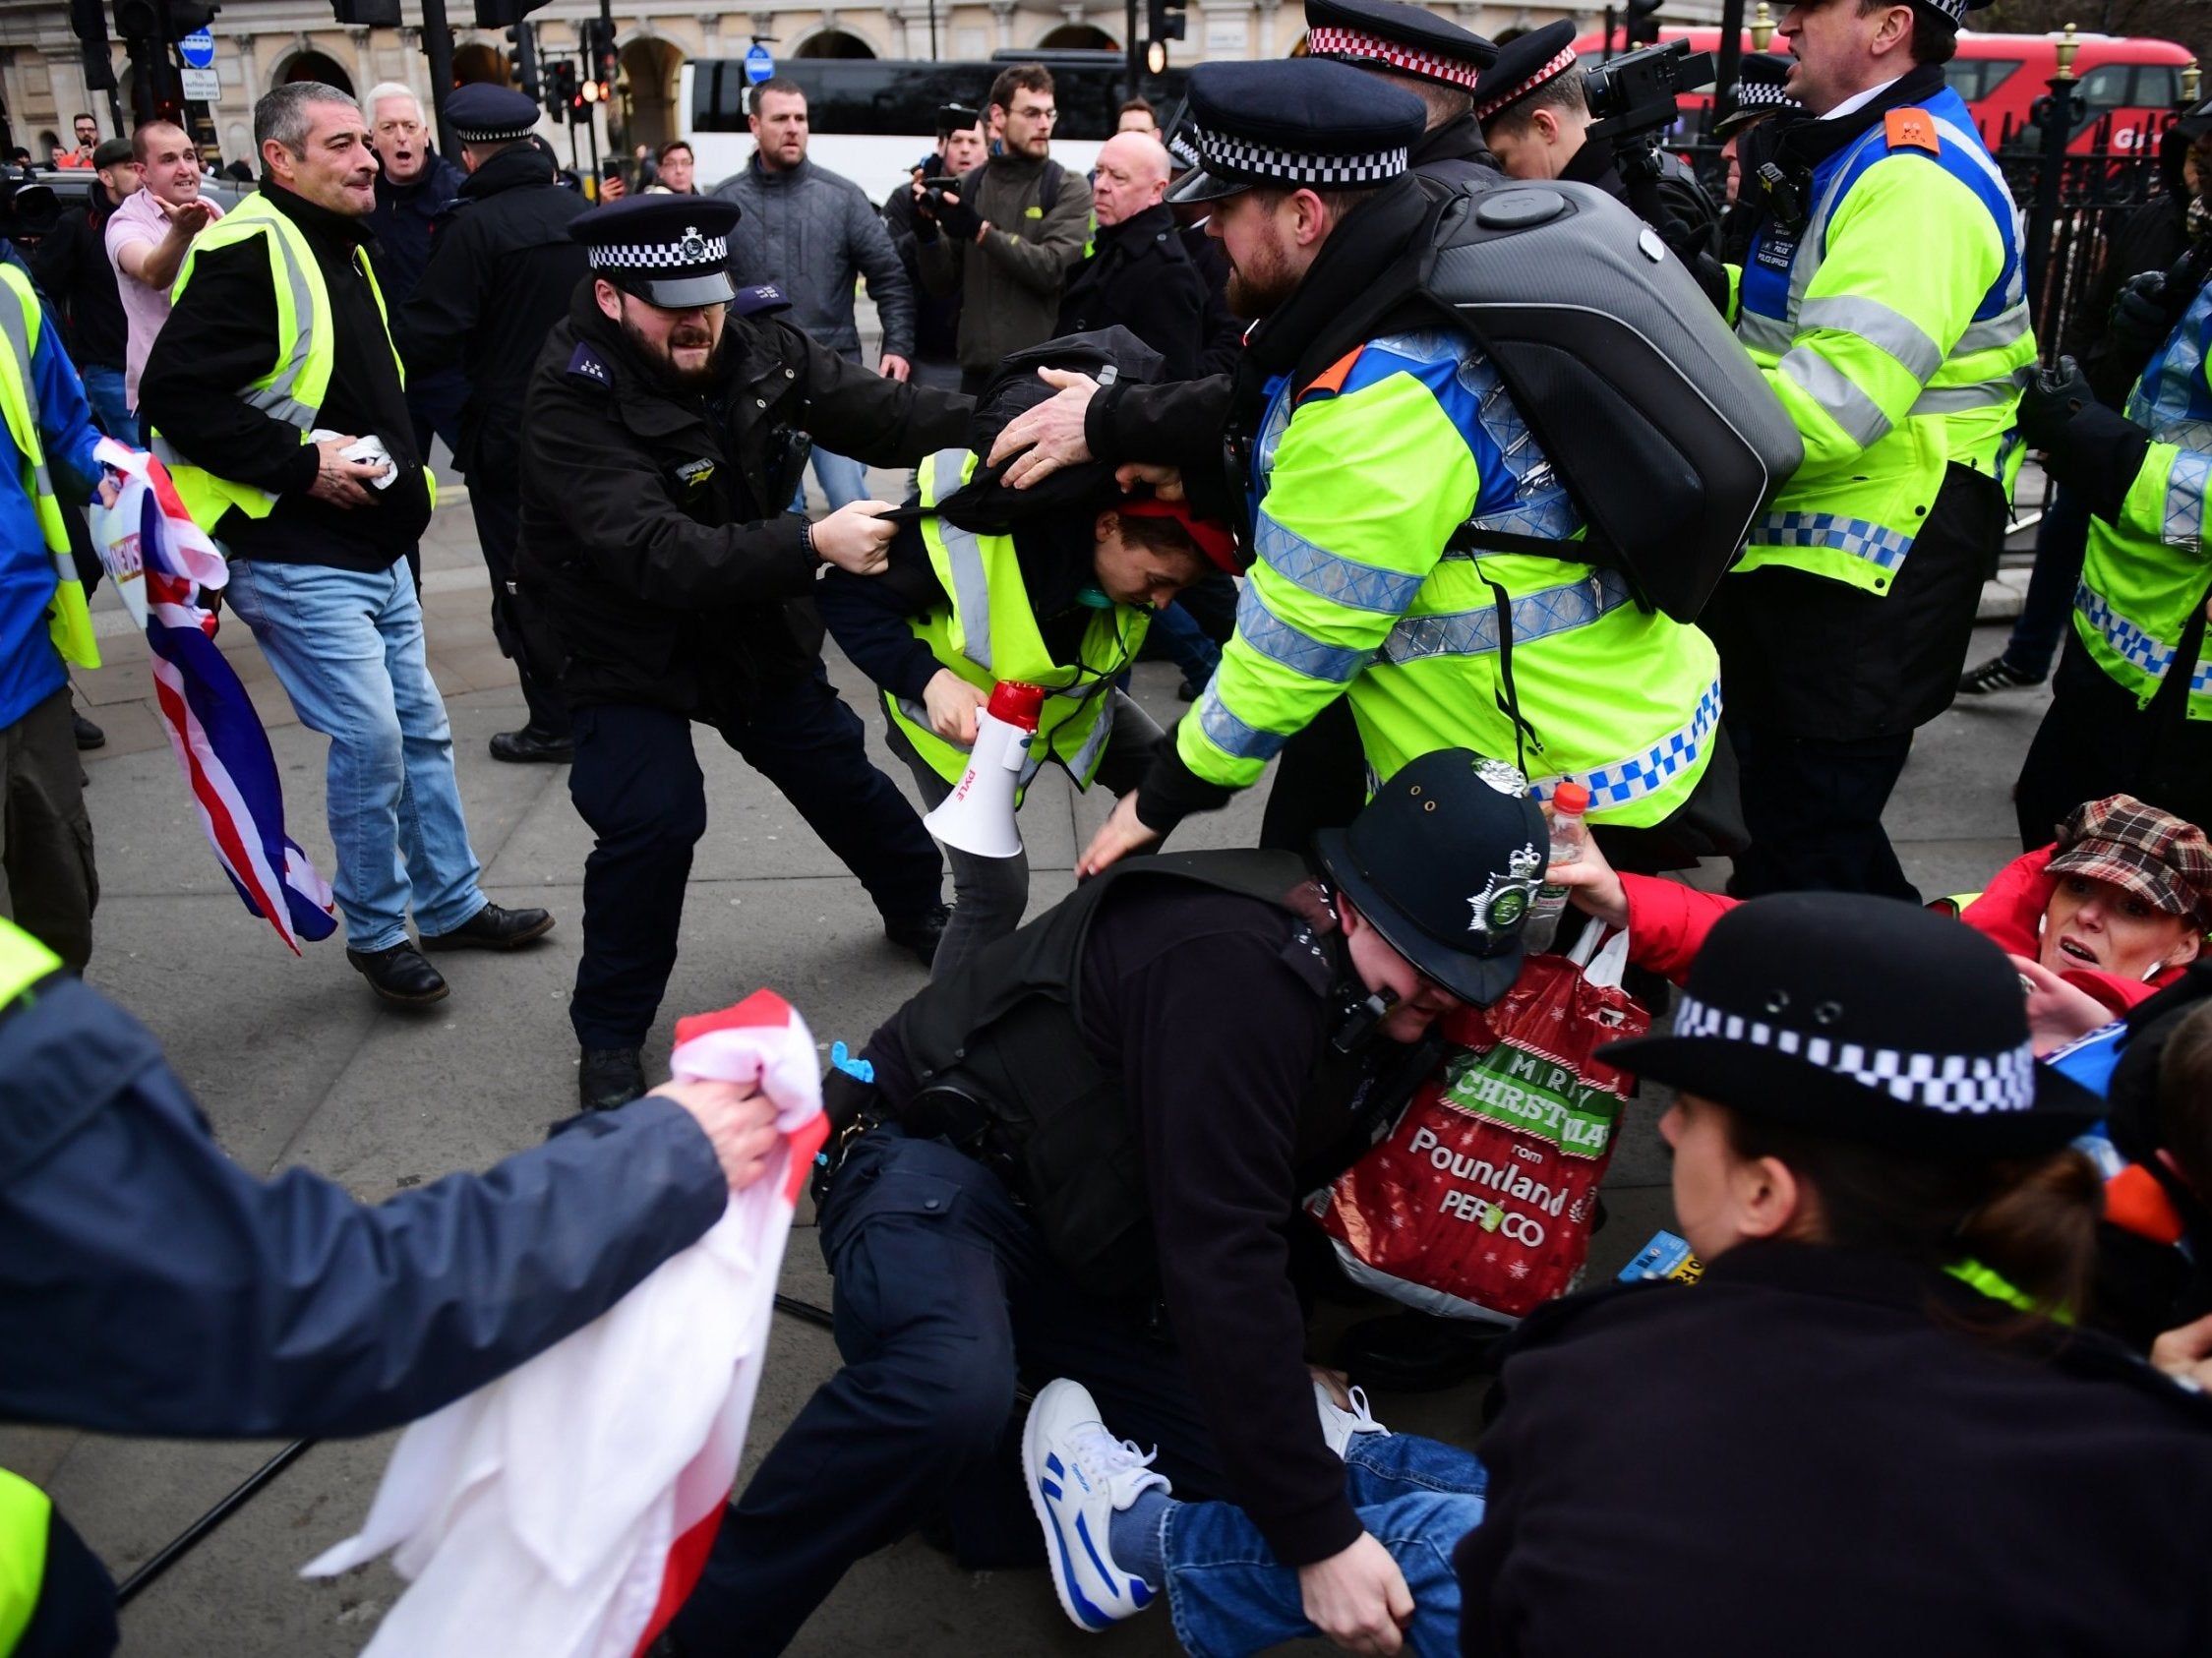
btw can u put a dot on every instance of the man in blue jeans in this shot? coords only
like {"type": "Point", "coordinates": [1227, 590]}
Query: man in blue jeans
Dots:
{"type": "Point", "coordinates": [256, 425]}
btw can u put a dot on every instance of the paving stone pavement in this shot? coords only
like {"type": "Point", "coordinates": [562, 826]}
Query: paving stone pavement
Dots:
{"type": "Point", "coordinates": [295, 1064]}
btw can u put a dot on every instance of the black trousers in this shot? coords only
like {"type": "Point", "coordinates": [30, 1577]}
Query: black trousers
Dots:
{"type": "Point", "coordinates": [496, 507]}
{"type": "Point", "coordinates": [636, 782]}
{"type": "Point", "coordinates": [1814, 807]}
{"type": "Point", "coordinates": [2095, 742]}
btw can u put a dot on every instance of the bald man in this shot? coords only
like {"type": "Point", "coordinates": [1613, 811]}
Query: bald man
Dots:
{"type": "Point", "coordinates": [1140, 273]}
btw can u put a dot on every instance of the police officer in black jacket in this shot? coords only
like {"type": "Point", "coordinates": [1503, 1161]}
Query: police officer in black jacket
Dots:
{"type": "Point", "coordinates": [1078, 1151]}
{"type": "Point", "coordinates": [503, 268]}
{"type": "Point", "coordinates": [663, 433]}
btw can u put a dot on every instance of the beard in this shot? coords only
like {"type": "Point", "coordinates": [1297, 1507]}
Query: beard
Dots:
{"type": "Point", "coordinates": [1258, 288]}
{"type": "Point", "coordinates": [660, 360]}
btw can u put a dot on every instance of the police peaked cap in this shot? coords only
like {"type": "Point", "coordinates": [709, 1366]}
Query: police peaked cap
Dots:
{"type": "Point", "coordinates": [482, 113]}
{"type": "Point", "coordinates": [1406, 39]}
{"type": "Point", "coordinates": [1952, 11]}
{"type": "Point", "coordinates": [1864, 1019]}
{"type": "Point", "coordinates": [670, 251]}
{"type": "Point", "coordinates": [1295, 123]}
{"type": "Point", "coordinates": [1762, 83]}
{"type": "Point", "coordinates": [1535, 60]}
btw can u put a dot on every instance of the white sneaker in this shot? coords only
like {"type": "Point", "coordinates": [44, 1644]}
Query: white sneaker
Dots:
{"type": "Point", "coordinates": [1079, 1477]}
{"type": "Point", "coordinates": [1338, 1425]}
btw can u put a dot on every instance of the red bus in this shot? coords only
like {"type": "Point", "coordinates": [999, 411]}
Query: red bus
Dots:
{"type": "Point", "coordinates": [2134, 82]}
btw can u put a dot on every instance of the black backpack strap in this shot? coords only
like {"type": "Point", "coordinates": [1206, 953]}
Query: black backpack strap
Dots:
{"type": "Point", "coordinates": [1509, 701]}
{"type": "Point", "coordinates": [1048, 188]}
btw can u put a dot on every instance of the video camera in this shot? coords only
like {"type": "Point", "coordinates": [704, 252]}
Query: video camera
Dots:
{"type": "Point", "coordinates": [1636, 94]}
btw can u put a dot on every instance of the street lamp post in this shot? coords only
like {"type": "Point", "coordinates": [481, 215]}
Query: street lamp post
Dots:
{"type": "Point", "coordinates": [2058, 133]}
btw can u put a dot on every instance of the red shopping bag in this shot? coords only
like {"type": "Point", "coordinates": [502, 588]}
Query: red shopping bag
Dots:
{"type": "Point", "coordinates": [1477, 1204]}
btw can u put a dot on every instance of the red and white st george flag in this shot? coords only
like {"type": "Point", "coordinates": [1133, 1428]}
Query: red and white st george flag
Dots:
{"type": "Point", "coordinates": [566, 1510]}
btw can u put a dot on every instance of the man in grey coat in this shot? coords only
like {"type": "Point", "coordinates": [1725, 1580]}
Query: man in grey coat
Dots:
{"type": "Point", "coordinates": [810, 233]}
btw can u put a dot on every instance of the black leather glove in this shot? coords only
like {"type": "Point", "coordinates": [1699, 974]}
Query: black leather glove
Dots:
{"type": "Point", "coordinates": [1693, 246]}
{"type": "Point", "coordinates": [2141, 319]}
{"type": "Point", "coordinates": [960, 220]}
{"type": "Point", "coordinates": [2085, 445]}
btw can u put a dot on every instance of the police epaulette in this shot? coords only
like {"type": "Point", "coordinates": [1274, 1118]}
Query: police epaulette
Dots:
{"type": "Point", "coordinates": [587, 364]}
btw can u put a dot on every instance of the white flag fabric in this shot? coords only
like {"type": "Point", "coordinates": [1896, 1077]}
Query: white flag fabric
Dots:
{"type": "Point", "coordinates": [565, 1510]}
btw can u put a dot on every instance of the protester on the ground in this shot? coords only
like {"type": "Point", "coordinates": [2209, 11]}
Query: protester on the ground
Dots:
{"type": "Point", "coordinates": [1877, 1364]}
{"type": "Point", "coordinates": [936, 315]}
{"type": "Point", "coordinates": [289, 439]}
{"type": "Point", "coordinates": [675, 171]}
{"type": "Point", "coordinates": [957, 612]}
{"type": "Point", "coordinates": [656, 541]}
{"type": "Point", "coordinates": [88, 134]}
{"type": "Point", "coordinates": [1536, 120]}
{"type": "Point", "coordinates": [151, 1286]}
{"type": "Point", "coordinates": [47, 879]}
{"type": "Point", "coordinates": [813, 234]}
{"type": "Point", "coordinates": [71, 266]}
{"type": "Point", "coordinates": [1358, 477]}
{"type": "Point", "coordinates": [1008, 245]}
{"type": "Point", "coordinates": [415, 185]}
{"type": "Point", "coordinates": [501, 273]}
{"type": "Point", "coordinates": [1070, 1136]}
{"type": "Point", "coordinates": [149, 233]}
{"type": "Point", "coordinates": [1438, 62]}
{"type": "Point", "coordinates": [1882, 301]}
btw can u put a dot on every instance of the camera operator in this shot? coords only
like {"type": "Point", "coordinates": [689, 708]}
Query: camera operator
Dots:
{"type": "Point", "coordinates": [1537, 121]}
{"type": "Point", "coordinates": [937, 316]}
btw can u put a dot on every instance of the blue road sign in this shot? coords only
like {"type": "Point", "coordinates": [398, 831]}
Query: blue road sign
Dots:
{"type": "Point", "coordinates": [759, 64]}
{"type": "Point", "coordinates": [198, 49]}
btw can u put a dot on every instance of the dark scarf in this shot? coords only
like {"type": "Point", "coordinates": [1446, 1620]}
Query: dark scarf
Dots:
{"type": "Point", "coordinates": [1458, 140]}
{"type": "Point", "coordinates": [1797, 143]}
{"type": "Point", "coordinates": [1339, 294]}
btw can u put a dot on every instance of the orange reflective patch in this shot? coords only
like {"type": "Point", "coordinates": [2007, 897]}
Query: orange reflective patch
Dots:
{"type": "Point", "coordinates": [1332, 379]}
{"type": "Point", "coordinates": [2136, 1202]}
{"type": "Point", "coordinates": [1912, 128]}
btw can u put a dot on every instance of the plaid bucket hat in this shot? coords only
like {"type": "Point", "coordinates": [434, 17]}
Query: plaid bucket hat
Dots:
{"type": "Point", "coordinates": [2162, 860]}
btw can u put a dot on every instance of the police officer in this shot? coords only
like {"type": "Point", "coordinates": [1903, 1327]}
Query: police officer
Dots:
{"type": "Point", "coordinates": [151, 1286]}
{"type": "Point", "coordinates": [502, 270]}
{"type": "Point", "coordinates": [662, 439]}
{"type": "Point", "coordinates": [1534, 116]}
{"type": "Point", "coordinates": [1078, 1152]}
{"type": "Point", "coordinates": [1883, 299]}
{"type": "Point", "coordinates": [2133, 696]}
{"type": "Point", "coordinates": [1369, 447]}
{"type": "Point", "coordinates": [1438, 62]}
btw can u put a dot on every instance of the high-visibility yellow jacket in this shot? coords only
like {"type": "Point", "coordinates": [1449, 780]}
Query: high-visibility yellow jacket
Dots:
{"type": "Point", "coordinates": [1359, 483]}
{"type": "Point", "coordinates": [22, 323]}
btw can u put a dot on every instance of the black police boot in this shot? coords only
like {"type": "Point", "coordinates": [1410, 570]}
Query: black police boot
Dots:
{"type": "Point", "coordinates": [1417, 1353]}
{"type": "Point", "coordinates": [89, 735]}
{"type": "Point", "coordinates": [531, 744]}
{"type": "Point", "coordinates": [609, 1076]}
{"type": "Point", "coordinates": [493, 929]}
{"type": "Point", "coordinates": [399, 974]}
{"type": "Point", "coordinates": [920, 933]}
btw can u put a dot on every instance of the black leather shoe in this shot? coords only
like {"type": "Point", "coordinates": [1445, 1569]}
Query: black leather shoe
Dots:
{"type": "Point", "coordinates": [920, 933]}
{"type": "Point", "coordinates": [399, 974]}
{"type": "Point", "coordinates": [89, 735]}
{"type": "Point", "coordinates": [493, 929]}
{"type": "Point", "coordinates": [530, 744]}
{"type": "Point", "coordinates": [609, 1076]}
{"type": "Point", "coordinates": [1416, 1353]}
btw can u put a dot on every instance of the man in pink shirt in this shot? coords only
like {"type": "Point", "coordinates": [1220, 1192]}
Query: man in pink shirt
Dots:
{"type": "Point", "coordinates": [148, 235]}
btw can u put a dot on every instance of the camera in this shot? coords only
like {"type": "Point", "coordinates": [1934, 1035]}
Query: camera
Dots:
{"type": "Point", "coordinates": [1637, 94]}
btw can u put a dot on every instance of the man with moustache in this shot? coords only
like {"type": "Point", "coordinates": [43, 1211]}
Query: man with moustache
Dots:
{"type": "Point", "coordinates": [274, 397]}
{"type": "Point", "coordinates": [663, 433]}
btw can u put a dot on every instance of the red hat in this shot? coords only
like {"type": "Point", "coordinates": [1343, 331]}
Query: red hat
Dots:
{"type": "Point", "coordinates": [1211, 536]}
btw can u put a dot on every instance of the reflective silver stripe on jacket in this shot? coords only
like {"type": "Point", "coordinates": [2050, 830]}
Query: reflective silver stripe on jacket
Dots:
{"type": "Point", "coordinates": [17, 328]}
{"type": "Point", "coordinates": [1837, 396]}
{"type": "Point", "coordinates": [277, 400]}
{"type": "Point", "coordinates": [1536, 616]}
{"type": "Point", "coordinates": [971, 588]}
{"type": "Point", "coordinates": [1879, 325]}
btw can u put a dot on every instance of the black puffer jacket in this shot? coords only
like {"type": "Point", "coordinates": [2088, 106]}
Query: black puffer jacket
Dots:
{"type": "Point", "coordinates": [653, 532]}
{"type": "Point", "coordinates": [1141, 275]}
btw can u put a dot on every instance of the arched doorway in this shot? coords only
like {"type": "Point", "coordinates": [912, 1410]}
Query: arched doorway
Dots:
{"type": "Point", "coordinates": [316, 66]}
{"type": "Point", "coordinates": [652, 67]}
{"type": "Point", "coordinates": [833, 43]}
{"type": "Point", "coordinates": [1079, 37]}
{"type": "Point", "coordinates": [478, 64]}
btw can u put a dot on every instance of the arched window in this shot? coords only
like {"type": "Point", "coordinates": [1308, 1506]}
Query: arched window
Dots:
{"type": "Point", "coordinates": [833, 43]}
{"type": "Point", "coordinates": [1079, 37]}
{"type": "Point", "coordinates": [316, 66]}
{"type": "Point", "coordinates": [477, 63]}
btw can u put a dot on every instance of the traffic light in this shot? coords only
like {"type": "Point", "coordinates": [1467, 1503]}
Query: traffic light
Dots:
{"type": "Point", "coordinates": [1164, 20]}
{"type": "Point", "coordinates": [563, 97]}
{"type": "Point", "coordinates": [605, 58]}
{"type": "Point", "coordinates": [367, 14]}
{"type": "Point", "coordinates": [88, 21]}
{"type": "Point", "coordinates": [1643, 25]}
{"type": "Point", "coordinates": [503, 13]}
{"type": "Point", "coordinates": [159, 20]}
{"type": "Point", "coordinates": [522, 64]}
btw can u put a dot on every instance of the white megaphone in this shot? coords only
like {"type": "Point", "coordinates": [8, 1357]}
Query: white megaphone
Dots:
{"type": "Point", "coordinates": [978, 817]}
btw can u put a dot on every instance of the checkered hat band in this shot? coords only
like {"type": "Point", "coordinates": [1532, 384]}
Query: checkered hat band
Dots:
{"type": "Point", "coordinates": [1955, 10]}
{"type": "Point", "coordinates": [1560, 63]}
{"type": "Point", "coordinates": [1953, 1083]}
{"type": "Point", "coordinates": [1762, 95]}
{"type": "Point", "coordinates": [1241, 157]}
{"type": "Point", "coordinates": [490, 135]}
{"type": "Point", "coordinates": [694, 251]}
{"type": "Point", "coordinates": [1357, 46]}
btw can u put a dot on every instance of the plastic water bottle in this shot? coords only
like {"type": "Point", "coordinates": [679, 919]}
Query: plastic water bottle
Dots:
{"type": "Point", "coordinates": [1569, 835]}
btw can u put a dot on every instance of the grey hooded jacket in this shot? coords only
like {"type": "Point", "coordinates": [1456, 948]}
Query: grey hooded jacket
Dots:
{"type": "Point", "coordinates": [811, 232]}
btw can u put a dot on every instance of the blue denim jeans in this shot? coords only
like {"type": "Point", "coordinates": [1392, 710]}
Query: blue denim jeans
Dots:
{"type": "Point", "coordinates": [103, 389]}
{"type": "Point", "coordinates": [1418, 1497]}
{"type": "Point", "coordinates": [1188, 645]}
{"type": "Point", "coordinates": [843, 480]}
{"type": "Point", "coordinates": [347, 647]}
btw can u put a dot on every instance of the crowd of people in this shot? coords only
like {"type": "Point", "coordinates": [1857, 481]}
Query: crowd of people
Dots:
{"type": "Point", "coordinates": [1946, 1165]}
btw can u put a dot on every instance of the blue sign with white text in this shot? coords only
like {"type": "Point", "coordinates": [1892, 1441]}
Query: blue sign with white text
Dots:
{"type": "Point", "coordinates": [198, 49]}
{"type": "Point", "coordinates": [759, 64]}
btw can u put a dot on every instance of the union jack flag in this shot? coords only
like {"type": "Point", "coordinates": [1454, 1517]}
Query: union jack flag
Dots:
{"type": "Point", "coordinates": [212, 723]}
